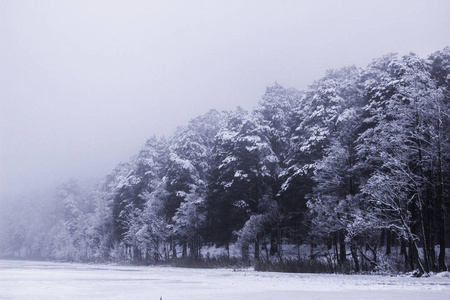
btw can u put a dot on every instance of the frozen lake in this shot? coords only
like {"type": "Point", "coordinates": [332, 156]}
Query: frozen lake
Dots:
{"type": "Point", "coordinates": [47, 280]}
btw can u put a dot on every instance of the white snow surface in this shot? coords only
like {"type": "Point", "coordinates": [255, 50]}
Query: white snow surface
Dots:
{"type": "Point", "coordinates": [48, 280]}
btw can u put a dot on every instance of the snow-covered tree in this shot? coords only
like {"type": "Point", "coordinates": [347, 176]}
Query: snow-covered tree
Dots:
{"type": "Point", "coordinates": [189, 162]}
{"type": "Point", "coordinates": [327, 121]}
{"type": "Point", "coordinates": [276, 110]}
{"type": "Point", "coordinates": [245, 172]}
{"type": "Point", "coordinates": [403, 141]}
{"type": "Point", "coordinates": [144, 173]}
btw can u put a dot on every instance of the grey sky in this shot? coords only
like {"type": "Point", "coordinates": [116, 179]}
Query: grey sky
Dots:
{"type": "Point", "coordinates": [83, 84]}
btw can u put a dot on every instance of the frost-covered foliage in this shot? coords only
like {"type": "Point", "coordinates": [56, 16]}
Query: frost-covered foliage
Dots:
{"type": "Point", "coordinates": [359, 162]}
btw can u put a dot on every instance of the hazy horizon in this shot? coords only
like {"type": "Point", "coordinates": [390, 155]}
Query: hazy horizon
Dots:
{"type": "Point", "coordinates": [83, 84]}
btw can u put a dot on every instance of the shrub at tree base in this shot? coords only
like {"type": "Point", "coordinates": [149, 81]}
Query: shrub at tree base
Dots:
{"type": "Point", "coordinates": [298, 265]}
{"type": "Point", "coordinates": [207, 263]}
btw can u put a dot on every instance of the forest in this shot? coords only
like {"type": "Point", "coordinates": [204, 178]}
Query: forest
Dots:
{"type": "Point", "coordinates": [356, 167]}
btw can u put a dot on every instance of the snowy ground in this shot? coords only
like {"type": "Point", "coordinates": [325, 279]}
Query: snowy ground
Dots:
{"type": "Point", "coordinates": [45, 280]}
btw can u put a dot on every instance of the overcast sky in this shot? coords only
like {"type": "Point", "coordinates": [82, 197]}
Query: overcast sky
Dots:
{"type": "Point", "coordinates": [83, 84]}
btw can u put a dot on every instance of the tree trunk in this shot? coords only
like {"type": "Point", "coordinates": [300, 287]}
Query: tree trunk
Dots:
{"type": "Point", "coordinates": [194, 248]}
{"type": "Point", "coordinates": [342, 250]}
{"type": "Point", "coordinates": [441, 240]}
{"type": "Point", "coordinates": [174, 249]}
{"type": "Point", "coordinates": [425, 234]}
{"type": "Point", "coordinates": [404, 252]}
{"type": "Point", "coordinates": [411, 255]}
{"type": "Point", "coordinates": [256, 250]}
{"type": "Point", "coordinates": [273, 244]}
{"type": "Point", "coordinates": [184, 253]}
{"type": "Point", "coordinates": [335, 242]}
{"type": "Point", "coordinates": [354, 253]}
{"type": "Point", "coordinates": [441, 210]}
{"type": "Point", "coordinates": [388, 241]}
{"type": "Point", "coordinates": [245, 252]}
{"type": "Point", "coordinates": [414, 258]}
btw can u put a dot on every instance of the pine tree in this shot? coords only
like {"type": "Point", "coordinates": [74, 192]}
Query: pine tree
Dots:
{"type": "Point", "coordinates": [328, 123]}
{"type": "Point", "coordinates": [186, 179]}
{"type": "Point", "coordinates": [246, 170]}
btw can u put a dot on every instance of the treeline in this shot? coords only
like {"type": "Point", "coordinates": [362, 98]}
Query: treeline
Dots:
{"type": "Point", "coordinates": [359, 163]}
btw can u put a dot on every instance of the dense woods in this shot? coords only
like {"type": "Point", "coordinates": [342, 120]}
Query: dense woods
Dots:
{"type": "Point", "coordinates": [357, 168]}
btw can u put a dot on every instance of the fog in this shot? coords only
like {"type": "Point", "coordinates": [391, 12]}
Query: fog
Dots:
{"type": "Point", "coordinates": [83, 84]}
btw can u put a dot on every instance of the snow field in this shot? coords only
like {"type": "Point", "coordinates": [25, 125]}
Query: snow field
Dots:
{"type": "Point", "coordinates": [46, 280]}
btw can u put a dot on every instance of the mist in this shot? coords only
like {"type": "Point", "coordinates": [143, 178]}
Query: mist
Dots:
{"type": "Point", "coordinates": [83, 84]}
